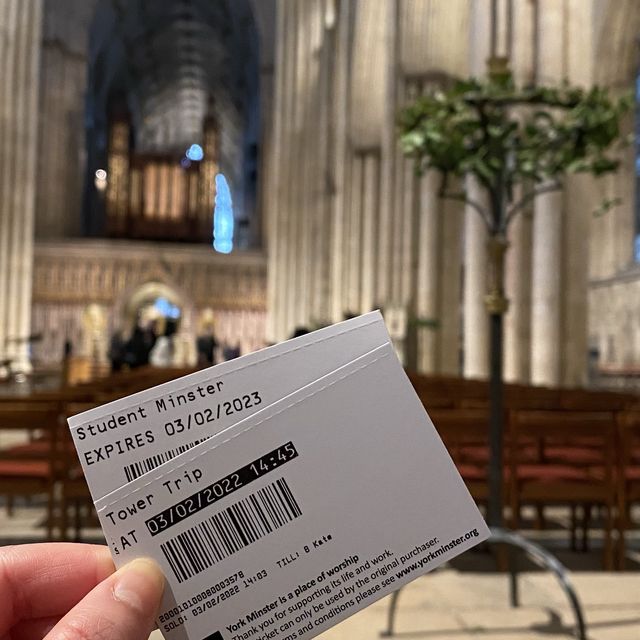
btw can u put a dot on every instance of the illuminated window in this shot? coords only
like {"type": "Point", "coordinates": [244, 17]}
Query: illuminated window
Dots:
{"type": "Point", "coordinates": [195, 153]}
{"type": "Point", "coordinates": [166, 309]}
{"type": "Point", "coordinates": [222, 217]}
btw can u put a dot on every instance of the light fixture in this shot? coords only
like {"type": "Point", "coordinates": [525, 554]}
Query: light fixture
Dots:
{"type": "Point", "coordinates": [195, 153]}
{"type": "Point", "coordinates": [100, 179]}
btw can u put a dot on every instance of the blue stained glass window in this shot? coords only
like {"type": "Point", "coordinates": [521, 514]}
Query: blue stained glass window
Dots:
{"type": "Point", "coordinates": [195, 153]}
{"type": "Point", "coordinates": [166, 309]}
{"type": "Point", "coordinates": [223, 217]}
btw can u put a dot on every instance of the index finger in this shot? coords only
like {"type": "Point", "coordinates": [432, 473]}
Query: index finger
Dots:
{"type": "Point", "coordinates": [42, 580]}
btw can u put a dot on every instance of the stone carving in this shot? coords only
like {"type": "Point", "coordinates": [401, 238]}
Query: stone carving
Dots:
{"type": "Point", "coordinates": [69, 275]}
{"type": "Point", "coordinates": [85, 275]}
{"type": "Point", "coordinates": [94, 334]}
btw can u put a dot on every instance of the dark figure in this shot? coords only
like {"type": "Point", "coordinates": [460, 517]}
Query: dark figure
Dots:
{"type": "Point", "coordinates": [162, 354]}
{"type": "Point", "coordinates": [206, 345]}
{"type": "Point", "coordinates": [299, 331]}
{"type": "Point", "coordinates": [139, 347]}
{"type": "Point", "coordinates": [231, 353]}
{"type": "Point", "coordinates": [117, 351]}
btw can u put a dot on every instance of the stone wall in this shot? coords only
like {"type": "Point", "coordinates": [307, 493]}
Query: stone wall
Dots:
{"type": "Point", "coordinates": [351, 227]}
{"type": "Point", "coordinates": [20, 26]}
{"type": "Point", "coordinates": [84, 285]}
{"type": "Point", "coordinates": [614, 276]}
{"type": "Point", "coordinates": [61, 117]}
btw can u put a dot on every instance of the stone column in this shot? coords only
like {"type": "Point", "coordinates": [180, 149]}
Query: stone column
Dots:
{"type": "Point", "coordinates": [410, 213]}
{"type": "Point", "coordinates": [21, 23]}
{"type": "Point", "coordinates": [340, 163]}
{"type": "Point", "coordinates": [61, 117]}
{"type": "Point", "coordinates": [450, 283]}
{"type": "Point", "coordinates": [546, 290]}
{"type": "Point", "coordinates": [372, 131]}
{"type": "Point", "coordinates": [296, 156]}
{"type": "Point", "coordinates": [370, 207]}
{"type": "Point", "coordinates": [546, 285]}
{"type": "Point", "coordinates": [427, 285]}
{"type": "Point", "coordinates": [387, 157]}
{"type": "Point", "coordinates": [517, 283]}
{"type": "Point", "coordinates": [307, 140]}
{"type": "Point", "coordinates": [396, 264]}
{"type": "Point", "coordinates": [321, 213]}
{"type": "Point", "coordinates": [354, 235]}
{"type": "Point", "coordinates": [582, 193]}
{"type": "Point", "coordinates": [475, 321]}
{"type": "Point", "coordinates": [287, 160]}
{"type": "Point", "coordinates": [517, 330]}
{"type": "Point", "coordinates": [475, 317]}
{"type": "Point", "coordinates": [276, 246]}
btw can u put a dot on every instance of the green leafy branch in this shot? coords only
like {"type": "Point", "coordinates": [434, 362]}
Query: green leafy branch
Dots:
{"type": "Point", "coordinates": [509, 137]}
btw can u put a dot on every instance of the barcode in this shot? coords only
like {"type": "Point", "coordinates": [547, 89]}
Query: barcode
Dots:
{"type": "Point", "coordinates": [230, 530]}
{"type": "Point", "coordinates": [137, 469]}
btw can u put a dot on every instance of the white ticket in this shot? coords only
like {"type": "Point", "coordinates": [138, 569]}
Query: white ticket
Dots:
{"type": "Point", "coordinates": [300, 515]}
{"type": "Point", "coordinates": [122, 440]}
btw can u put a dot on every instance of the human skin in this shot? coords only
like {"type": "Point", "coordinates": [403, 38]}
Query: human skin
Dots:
{"type": "Point", "coordinates": [60, 591]}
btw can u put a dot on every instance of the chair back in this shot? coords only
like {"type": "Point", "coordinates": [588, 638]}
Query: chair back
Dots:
{"type": "Point", "coordinates": [25, 415]}
{"type": "Point", "coordinates": [629, 439]}
{"type": "Point", "coordinates": [461, 428]}
{"type": "Point", "coordinates": [29, 417]}
{"type": "Point", "coordinates": [571, 430]}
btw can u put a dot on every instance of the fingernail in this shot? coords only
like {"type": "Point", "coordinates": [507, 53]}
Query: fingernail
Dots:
{"type": "Point", "coordinates": [139, 584]}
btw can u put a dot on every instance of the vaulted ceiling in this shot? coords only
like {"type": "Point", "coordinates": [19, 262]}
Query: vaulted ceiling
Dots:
{"type": "Point", "coordinates": [170, 58]}
{"type": "Point", "coordinates": [168, 64]}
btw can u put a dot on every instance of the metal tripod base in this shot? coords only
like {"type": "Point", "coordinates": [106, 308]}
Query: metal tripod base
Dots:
{"type": "Point", "coordinates": [539, 556]}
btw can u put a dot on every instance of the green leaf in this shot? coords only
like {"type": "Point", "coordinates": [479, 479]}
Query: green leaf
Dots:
{"type": "Point", "coordinates": [472, 128]}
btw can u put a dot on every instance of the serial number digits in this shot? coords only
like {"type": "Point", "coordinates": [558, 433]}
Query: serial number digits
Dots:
{"type": "Point", "coordinates": [220, 588]}
{"type": "Point", "coordinates": [217, 599]}
{"type": "Point", "coordinates": [211, 414]}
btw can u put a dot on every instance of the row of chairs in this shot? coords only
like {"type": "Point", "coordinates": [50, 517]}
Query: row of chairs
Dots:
{"type": "Point", "coordinates": [560, 447]}
{"type": "Point", "coordinates": [38, 457]}
{"type": "Point", "coordinates": [570, 447]}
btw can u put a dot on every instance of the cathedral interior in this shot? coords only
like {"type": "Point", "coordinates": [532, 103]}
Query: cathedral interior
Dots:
{"type": "Point", "coordinates": [119, 114]}
{"type": "Point", "coordinates": [116, 116]}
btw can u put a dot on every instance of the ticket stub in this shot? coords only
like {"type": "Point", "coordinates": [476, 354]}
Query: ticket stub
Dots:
{"type": "Point", "coordinates": [122, 440]}
{"type": "Point", "coordinates": [301, 514]}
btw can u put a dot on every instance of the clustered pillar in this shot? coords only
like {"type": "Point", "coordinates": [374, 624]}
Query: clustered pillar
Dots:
{"type": "Point", "coordinates": [351, 225]}
{"type": "Point", "coordinates": [20, 27]}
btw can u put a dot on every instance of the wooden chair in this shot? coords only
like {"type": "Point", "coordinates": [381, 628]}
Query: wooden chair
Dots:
{"type": "Point", "coordinates": [575, 466]}
{"type": "Point", "coordinates": [590, 400]}
{"type": "Point", "coordinates": [74, 493]}
{"type": "Point", "coordinates": [465, 433]}
{"type": "Point", "coordinates": [628, 475]}
{"type": "Point", "coordinates": [35, 470]}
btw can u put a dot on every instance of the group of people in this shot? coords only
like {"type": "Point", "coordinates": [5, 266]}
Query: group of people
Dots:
{"type": "Point", "coordinates": [153, 345]}
{"type": "Point", "coordinates": [143, 346]}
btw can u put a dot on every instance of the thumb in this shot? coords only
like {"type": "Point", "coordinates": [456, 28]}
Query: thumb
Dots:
{"type": "Point", "coordinates": [122, 607]}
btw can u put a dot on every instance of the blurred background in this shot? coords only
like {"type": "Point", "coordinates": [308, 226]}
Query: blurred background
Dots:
{"type": "Point", "coordinates": [116, 116]}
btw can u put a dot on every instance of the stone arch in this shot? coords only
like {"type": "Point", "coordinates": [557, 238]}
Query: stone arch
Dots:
{"type": "Point", "coordinates": [146, 292]}
{"type": "Point", "coordinates": [132, 298]}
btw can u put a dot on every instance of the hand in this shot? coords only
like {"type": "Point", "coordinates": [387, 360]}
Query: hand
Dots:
{"type": "Point", "coordinates": [59, 591]}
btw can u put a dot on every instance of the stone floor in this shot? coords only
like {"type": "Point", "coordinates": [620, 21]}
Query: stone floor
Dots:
{"type": "Point", "coordinates": [468, 598]}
